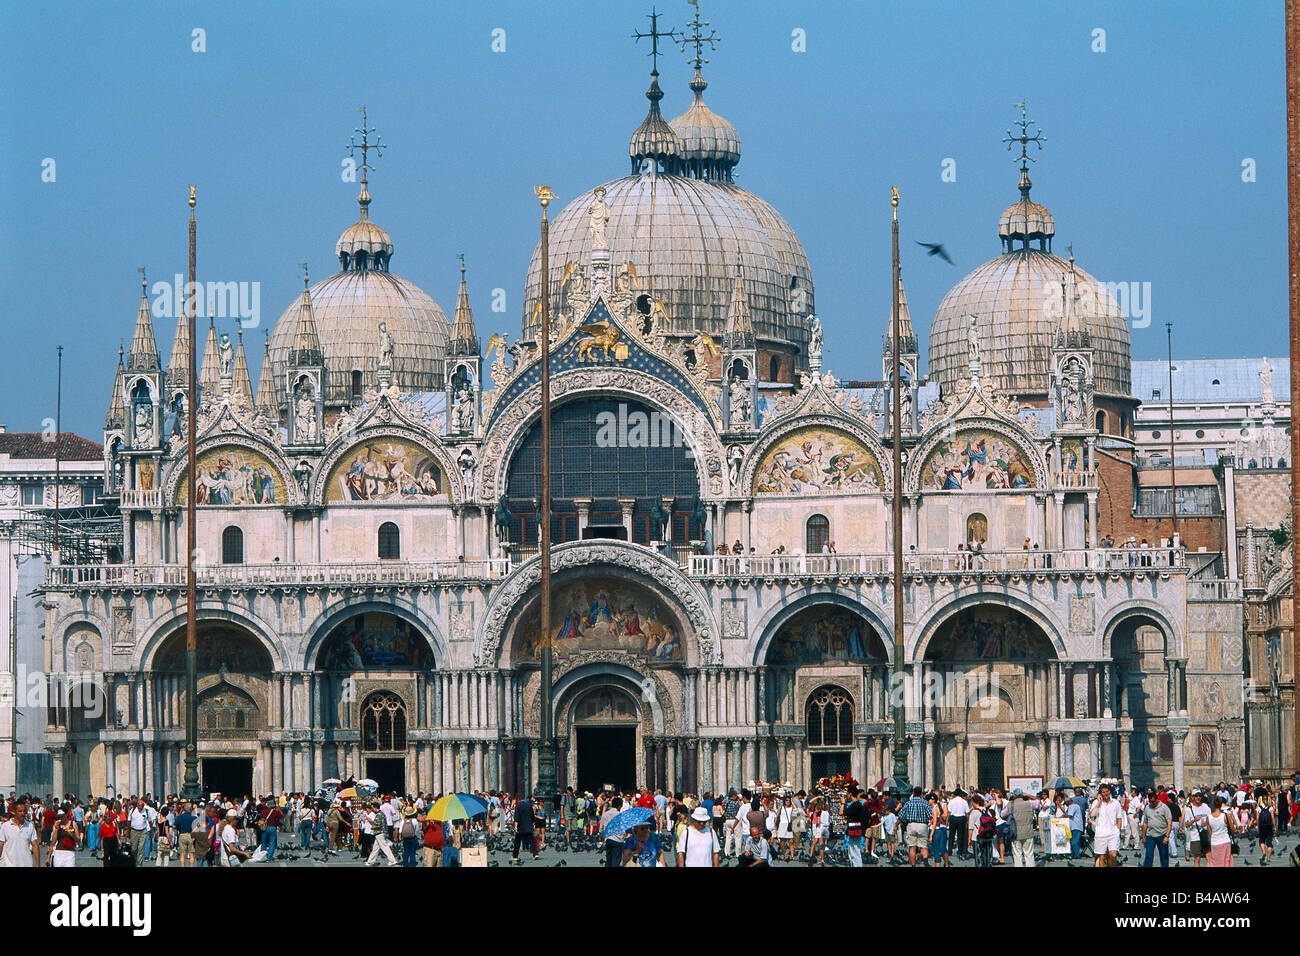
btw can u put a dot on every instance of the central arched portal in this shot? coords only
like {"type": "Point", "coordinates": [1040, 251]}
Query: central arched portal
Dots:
{"type": "Point", "coordinates": [986, 685]}
{"type": "Point", "coordinates": [603, 739]}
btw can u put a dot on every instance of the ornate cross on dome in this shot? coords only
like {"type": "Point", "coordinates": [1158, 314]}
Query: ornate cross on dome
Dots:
{"type": "Point", "coordinates": [697, 39]}
{"type": "Point", "coordinates": [365, 145]}
{"type": "Point", "coordinates": [1024, 139]}
{"type": "Point", "coordinates": [654, 36]}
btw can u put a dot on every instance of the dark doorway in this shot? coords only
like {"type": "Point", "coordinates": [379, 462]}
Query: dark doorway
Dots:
{"type": "Point", "coordinates": [990, 767]}
{"type": "Point", "coordinates": [606, 755]}
{"type": "Point", "coordinates": [231, 776]}
{"type": "Point", "coordinates": [827, 763]}
{"type": "Point", "coordinates": [388, 772]}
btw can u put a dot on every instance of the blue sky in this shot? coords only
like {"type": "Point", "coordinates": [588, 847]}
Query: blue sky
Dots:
{"type": "Point", "coordinates": [1142, 167]}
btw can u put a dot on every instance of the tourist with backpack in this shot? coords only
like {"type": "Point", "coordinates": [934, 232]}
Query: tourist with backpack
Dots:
{"type": "Point", "coordinates": [409, 833]}
{"type": "Point", "coordinates": [986, 830]}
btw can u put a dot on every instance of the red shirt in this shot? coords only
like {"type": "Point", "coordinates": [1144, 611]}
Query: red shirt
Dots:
{"type": "Point", "coordinates": [646, 800]}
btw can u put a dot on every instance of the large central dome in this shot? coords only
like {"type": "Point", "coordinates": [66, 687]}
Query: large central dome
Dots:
{"type": "Point", "coordinates": [1017, 301]}
{"type": "Point", "coordinates": [684, 226]}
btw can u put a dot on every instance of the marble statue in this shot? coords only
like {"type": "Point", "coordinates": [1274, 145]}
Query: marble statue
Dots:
{"type": "Point", "coordinates": [227, 355]}
{"type": "Point", "coordinates": [143, 425]}
{"type": "Point", "coordinates": [1266, 382]}
{"type": "Point", "coordinates": [815, 346]}
{"type": "Point", "coordinates": [741, 407]}
{"type": "Point", "coordinates": [599, 213]}
{"type": "Point", "coordinates": [385, 346]}
{"type": "Point", "coordinates": [463, 412]}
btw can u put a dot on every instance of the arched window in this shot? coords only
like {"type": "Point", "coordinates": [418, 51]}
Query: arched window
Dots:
{"type": "Point", "coordinates": [390, 541]}
{"type": "Point", "coordinates": [1101, 422]}
{"type": "Point", "coordinates": [383, 723]}
{"type": "Point", "coordinates": [774, 369]}
{"type": "Point", "coordinates": [232, 546]}
{"type": "Point", "coordinates": [830, 718]}
{"type": "Point", "coordinates": [819, 534]}
{"type": "Point", "coordinates": [356, 384]}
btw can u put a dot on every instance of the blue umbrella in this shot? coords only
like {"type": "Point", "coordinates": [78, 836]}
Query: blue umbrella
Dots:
{"type": "Point", "coordinates": [625, 821]}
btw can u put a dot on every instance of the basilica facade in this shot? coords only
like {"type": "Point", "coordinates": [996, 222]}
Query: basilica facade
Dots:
{"type": "Point", "coordinates": [368, 528]}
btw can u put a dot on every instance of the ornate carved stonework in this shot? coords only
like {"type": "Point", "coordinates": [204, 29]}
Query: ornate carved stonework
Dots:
{"type": "Point", "coordinates": [664, 684]}
{"type": "Point", "coordinates": [1082, 615]}
{"type": "Point", "coordinates": [123, 630]}
{"type": "Point", "coordinates": [583, 555]}
{"type": "Point", "coordinates": [460, 622]}
{"type": "Point", "coordinates": [734, 618]}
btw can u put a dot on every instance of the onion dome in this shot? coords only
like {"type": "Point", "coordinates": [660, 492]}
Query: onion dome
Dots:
{"type": "Point", "coordinates": [364, 244]}
{"type": "Point", "coordinates": [1026, 220]}
{"type": "Point", "coordinates": [710, 145]}
{"type": "Point", "coordinates": [654, 139]}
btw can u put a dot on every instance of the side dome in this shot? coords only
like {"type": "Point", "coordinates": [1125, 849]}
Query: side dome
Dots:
{"type": "Point", "coordinates": [348, 309]}
{"type": "Point", "coordinates": [1017, 300]}
{"type": "Point", "coordinates": [683, 236]}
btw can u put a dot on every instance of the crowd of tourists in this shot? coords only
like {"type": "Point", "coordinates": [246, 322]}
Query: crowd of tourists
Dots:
{"type": "Point", "coordinates": [836, 822]}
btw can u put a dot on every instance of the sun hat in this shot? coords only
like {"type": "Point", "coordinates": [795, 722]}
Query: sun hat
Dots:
{"type": "Point", "coordinates": [699, 813]}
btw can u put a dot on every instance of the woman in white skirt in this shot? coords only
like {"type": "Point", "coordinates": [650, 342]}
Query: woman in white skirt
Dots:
{"type": "Point", "coordinates": [784, 828]}
{"type": "Point", "coordinates": [64, 838]}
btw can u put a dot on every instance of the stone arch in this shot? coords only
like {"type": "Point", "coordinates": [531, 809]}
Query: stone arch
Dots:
{"type": "Point", "coordinates": [924, 630]}
{"type": "Point", "coordinates": [1157, 616]}
{"type": "Point", "coordinates": [154, 637]}
{"type": "Point", "coordinates": [760, 450]}
{"type": "Point", "coordinates": [637, 565]}
{"type": "Point", "coordinates": [509, 429]}
{"type": "Point", "coordinates": [577, 682]}
{"type": "Point", "coordinates": [347, 441]}
{"type": "Point", "coordinates": [328, 621]}
{"type": "Point", "coordinates": [770, 625]}
{"type": "Point", "coordinates": [78, 638]}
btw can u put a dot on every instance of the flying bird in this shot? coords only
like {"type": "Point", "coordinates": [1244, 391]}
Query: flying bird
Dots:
{"type": "Point", "coordinates": [936, 249]}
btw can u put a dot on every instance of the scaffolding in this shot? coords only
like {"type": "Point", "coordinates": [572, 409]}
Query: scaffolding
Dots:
{"type": "Point", "coordinates": [87, 534]}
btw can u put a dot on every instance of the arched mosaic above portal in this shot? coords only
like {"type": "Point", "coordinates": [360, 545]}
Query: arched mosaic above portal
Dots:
{"type": "Point", "coordinates": [817, 459]}
{"type": "Point", "coordinates": [977, 460]}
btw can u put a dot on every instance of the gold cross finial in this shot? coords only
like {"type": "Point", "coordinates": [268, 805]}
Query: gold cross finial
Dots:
{"type": "Point", "coordinates": [365, 145]}
{"type": "Point", "coordinates": [697, 38]}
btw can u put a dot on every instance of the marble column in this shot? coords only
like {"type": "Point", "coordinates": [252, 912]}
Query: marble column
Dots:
{"type": "Point", "coordinates": [1094, 753]}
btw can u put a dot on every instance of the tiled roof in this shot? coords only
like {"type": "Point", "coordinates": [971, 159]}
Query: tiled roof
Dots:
{"type": "Point", "coordinates": [33, 445]}
{"type": "Point", "coordinates": [1210, 380]}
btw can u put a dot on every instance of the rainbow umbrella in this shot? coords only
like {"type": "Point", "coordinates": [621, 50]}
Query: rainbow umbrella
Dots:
{"type": "Point", "coordinates": [456, 806]}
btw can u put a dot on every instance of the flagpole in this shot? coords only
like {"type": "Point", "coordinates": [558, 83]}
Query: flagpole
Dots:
{"type": "Point", "coordinates": [190, 786]}
{"type": "Point", "coordinates": [547, 779]}
{"type": "Point", "coordinates": [1293, 233]}
{"type": "Point", "coordinates": [900, 699]}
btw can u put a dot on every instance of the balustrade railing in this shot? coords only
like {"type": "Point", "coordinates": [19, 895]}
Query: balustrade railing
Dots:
{"type": "Point", "coordinates": [278, 574]}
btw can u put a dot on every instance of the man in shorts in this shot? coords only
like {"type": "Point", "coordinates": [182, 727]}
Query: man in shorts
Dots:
{"type": "Point", "coordinates": [1194, 818]}
{"type": "Point", "coordinates": [1107, 817]}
